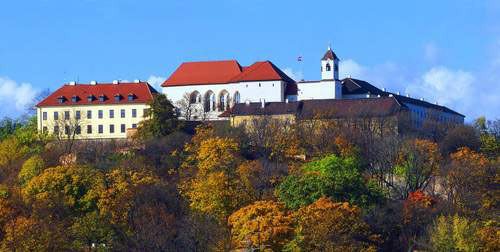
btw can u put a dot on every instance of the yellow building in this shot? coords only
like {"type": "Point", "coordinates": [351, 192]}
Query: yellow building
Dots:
{"type": "Point", "coordinates": [95, 110]}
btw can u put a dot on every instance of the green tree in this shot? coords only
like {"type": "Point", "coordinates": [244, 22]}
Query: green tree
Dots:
{"type": "Point", "coordinates": [161, 118]}
{"type": "Point", "coordinates": [333, 176]}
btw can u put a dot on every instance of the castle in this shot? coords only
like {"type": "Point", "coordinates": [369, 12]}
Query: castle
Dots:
{"type": "Point", "coordinates": [222, 90]}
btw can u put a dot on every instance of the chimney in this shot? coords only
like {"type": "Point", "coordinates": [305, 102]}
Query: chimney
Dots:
{"type": "Point", "coordinates": [408, 95]}
{"type": "Point", "coordinates": [247, 102]}
{"type": "Point", "coordinates": [137, 81]}
{"type": "Point", "coordinates": [422, 99]}
{"type": "Point", "coordinates": [383, 89]}
{"type": "Point", "coordinates": [72, 83]}
{"type": "Point", "coordinates": [286, 100]}
{"type": "Point", "coordinates": [116, 81]}
{"type": "Point", "coordinates": [93, 82]}
{"type": "Point", "coordinates": [378, 96]}
{"type": "Point", "coordinates": [262, 103]}
{"type": "Point", "coordinates": [390, 95]}
{"type": "Point", "coordinates": [367, 95]}
{"type": "Point", "coordinates": [436, 103]}
{"type": "Point", "coordinates": [398, 93]}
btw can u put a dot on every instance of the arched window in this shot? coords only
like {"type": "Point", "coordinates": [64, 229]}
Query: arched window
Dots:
{"type": "Point", "coordinates": [236, 98]}
{"type": "Point", "coordinates": [195, 97]}
{"type": "Point", "coordinates": [223, 100]}
{"type": "Point", "coordinates": [209, 101]}
{"type": "Point", "coordinates": [328, 67]}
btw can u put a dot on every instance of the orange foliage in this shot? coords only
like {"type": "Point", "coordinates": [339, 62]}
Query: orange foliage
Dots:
{"type": "Point", "coordinates": [329, 226]}
{"type": "Point", "coordinates": [264, 224]}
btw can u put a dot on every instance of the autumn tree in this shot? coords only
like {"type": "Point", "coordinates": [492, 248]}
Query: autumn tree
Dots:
{"type": "Point", "coordinates": [329, 226]}
{"type": "Point", "coordinates": [215, 188]}
{"type": "Point", "coordinates": [32, 167]}
{"type": "Point", "coordinates": [469, 182]}
{"type": "Point", "coordinates": [454, 233]}
{"type": "Point", "coordinates": [263, 225]}
{"type": "Point", "coordinates": [419, 210]}
{"type": "Point", "coordinates": [331, 176]}
{"type": "Point", "coordinates": [417, 164]}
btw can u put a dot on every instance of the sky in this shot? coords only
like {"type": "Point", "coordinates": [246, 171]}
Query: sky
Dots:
{"type": "Point", "coordinates": [445, 51]}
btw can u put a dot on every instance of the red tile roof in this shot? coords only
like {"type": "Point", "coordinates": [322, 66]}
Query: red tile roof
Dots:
{"type": "Point", "coordinates": [222, 72]}
{"type": "Point", "coordinates": [142, 93]}
{"type": "Point", "coordinates": [329, 55]}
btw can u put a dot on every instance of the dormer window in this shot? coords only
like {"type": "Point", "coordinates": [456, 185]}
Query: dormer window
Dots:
{"type": "Point", "coordinates": [102, 98]}
{"type": "Point", "coordinates": [131, 97]}
{"type": "Point", "coordinates": [90, 98]}
{"type": "Point", "coordinates": [118, 97]}
{"type": "Point", "coordinates": [60, 99]}
{"type": "Point", "coordinates": [74, 98]}
{"type": "Point", "coordinates": [328, 67]}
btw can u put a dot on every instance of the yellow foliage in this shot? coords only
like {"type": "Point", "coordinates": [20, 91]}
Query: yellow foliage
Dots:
{"type": "Point", "coordinates": [263, 224]}
{"type": "Point", "coordinates": [116, 199]}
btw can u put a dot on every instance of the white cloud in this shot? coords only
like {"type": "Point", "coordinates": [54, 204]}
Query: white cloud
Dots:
{"type": "Point", "coordinates": [156, 82]}
{"type": "Point", "coordinates": [294, 75]}
{"type": "Point", "coordinates": [351, 68]}
{"type": "Point", "coordinates": [444, 85]}
{"type": "Point", "coordinates": [15, 97]}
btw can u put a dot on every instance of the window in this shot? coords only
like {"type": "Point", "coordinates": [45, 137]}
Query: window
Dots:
{"type": "Point", "coordinates": [122, 113]}
{"type": "Point", "coordinates": [134, 125]}
{"type": "Point", "coordinates": [134, 113]}
{"type": "Point", "coordinates": [44, 116]}
{"type": "Point", "coordinates": [118, 97]}
{"type": "Point", "coordinates": [89, 114]}
{"type": "Point", "coordinates": [56, 116]}
{"type": "Point", "coordinates": [66, 115]}
{"type": "Point", "coordinates": [122, 128]}
{"type": "Point", "coordinates": [336, 67]}
{"type": "Point", "coordinates": [100, 129]}
{"type": "Point", "coordinates": [66, 130]}
{"type": "Point", "coordinates": [99, 113]}
{"type": "Point", "coordinates": [90, 98]}
{"type": "Point", "coordinates": [89, 129]}
{"type": "Point", "coordinates": [237, 97]}
{"type": "Point", "coordinates": [111, 113]}
{"type": "Point", "coordinates": [56, 129]}
{"type": "Point", "coordinates": [260, 85]}
{"type": "Point", "coordinates": [328, 67]}
{"type": "Point", "coordinates": [60, 99]}
{"type": "Point", "coordinates": [77, 115]}
{"type": "Point", "coordinates": [44, 130]}
{"type": "Point", "coordinates": [130, 97]}
{"type": "Point", "coordinates": [102, 98]}
{"type": "Point", "coordinates": [74, 98]}
{"type": "Point", "coordinates": [111, 128]}
{"type": "Point", "coordinates": [78, 130]}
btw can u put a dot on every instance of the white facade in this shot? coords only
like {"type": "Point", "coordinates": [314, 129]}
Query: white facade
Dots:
{"type": "Point", "coordinates": [116, 119]}
{"type": "Point", "coordinates": [325, 89]}
{"type": "Point", "coordinates": [210, 100]}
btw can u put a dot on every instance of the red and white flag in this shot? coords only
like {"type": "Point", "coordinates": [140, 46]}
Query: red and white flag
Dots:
{"type": "Point", "coordinates": [299, 58]}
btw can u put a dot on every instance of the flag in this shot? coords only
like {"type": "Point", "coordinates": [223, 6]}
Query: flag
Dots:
{"type": "Point", "coordinates": [299, 58]}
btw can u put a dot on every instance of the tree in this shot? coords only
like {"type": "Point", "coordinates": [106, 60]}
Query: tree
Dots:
{"type": "Point", "coordinates": [185, 106]}
{"type": "Point", "coordinates": [214, 187]}
{"type": "Point", "coordinates": [454, 233]}
{"type": "Point", "coordinates": [331, 176]}
{"type": "Point", "coordinates": [8, 127]}
{"type": "Point", "coordinates": [461, 136]}
{"type": "Point", "coordinates": [72, 187]}
{"type": "Point", "coordinates": [329, 226]}
{"type": "Point", "coordinates": [160, 120]}
{"type": "Point", "coordinates": [418, 162]}
{"type": "Point", "coordinates": [264, 225]}
{"type": "Point", "coordinates": [33, 234]}
{"type": "Point", "coordinates": [32, 167]}
{"type": "Point", "coordinates": [419, 210]}
{"type": "Point", "coordinates": [470, 180]}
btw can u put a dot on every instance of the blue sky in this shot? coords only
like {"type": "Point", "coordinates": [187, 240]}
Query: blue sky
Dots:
{"type": "Point", "coordinates": [444, 51]}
